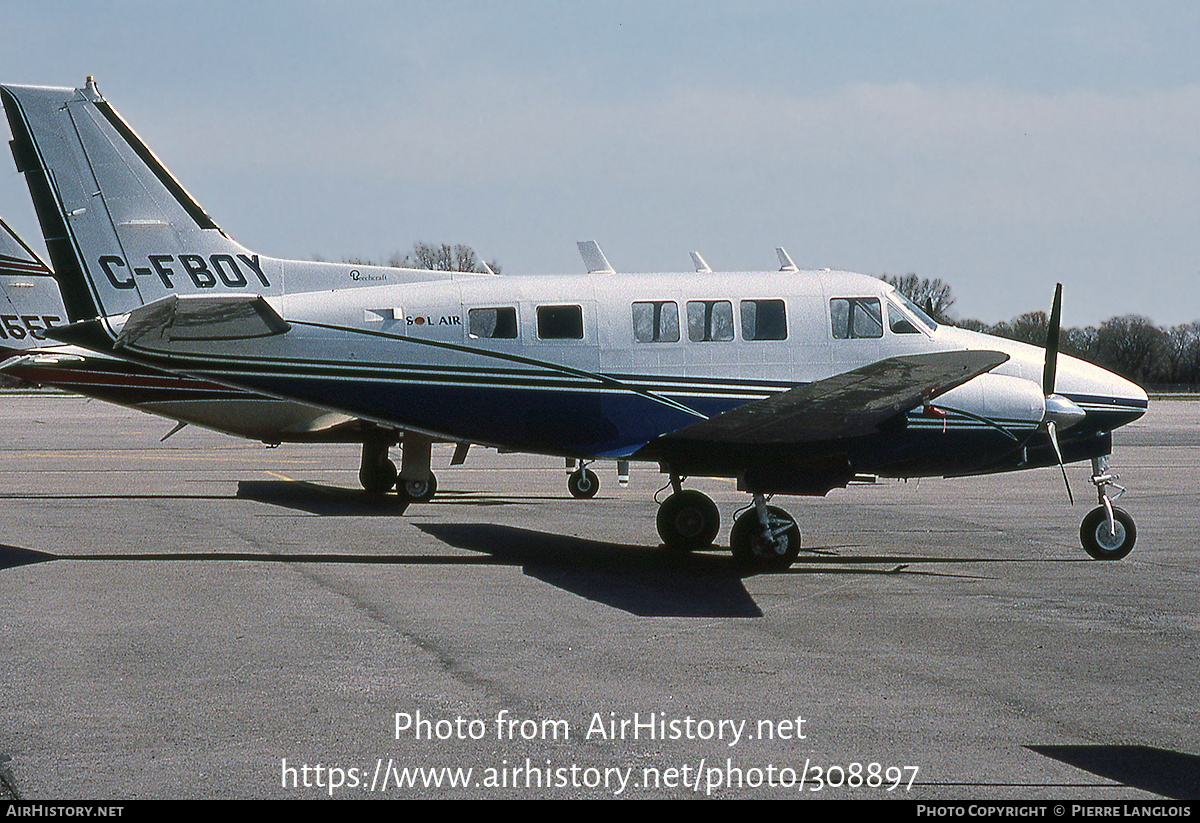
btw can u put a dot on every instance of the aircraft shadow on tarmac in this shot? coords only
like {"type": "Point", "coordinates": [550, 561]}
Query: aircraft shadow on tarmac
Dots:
{"type": "Point", "coordinates": [642, 580]}
{"type": "Point", "coordinates": [655, 581]}
{"type": "Point", "coordinates": [315, 498]}
{"type": "Point", "coordinates": [1168, 773]}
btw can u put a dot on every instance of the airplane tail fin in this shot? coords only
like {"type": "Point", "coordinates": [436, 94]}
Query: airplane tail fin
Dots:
{"type": "Point", "coordinates": [30, 301]}
{"type": "Point", "coordinates": [120, 230]}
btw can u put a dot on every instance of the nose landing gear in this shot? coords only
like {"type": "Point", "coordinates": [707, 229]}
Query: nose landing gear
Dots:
{"type": "Point", "coordinates": [1108, 532]}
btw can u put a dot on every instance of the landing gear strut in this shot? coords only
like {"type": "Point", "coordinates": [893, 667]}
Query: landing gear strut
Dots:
{"type": "Point", "coordinates": [416, 483]}
{"type": "Point", "coordinates": [1107, 533]}
{"type": "Point", "coordinates": [764, 538]}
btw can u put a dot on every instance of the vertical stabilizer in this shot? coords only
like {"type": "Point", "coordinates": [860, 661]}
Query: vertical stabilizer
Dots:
{"type": "Point", "coordinates": [120, 230]}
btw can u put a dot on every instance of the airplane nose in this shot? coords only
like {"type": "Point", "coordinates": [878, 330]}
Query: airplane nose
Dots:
{"type": "Point", "coordinates": [1063, 413]}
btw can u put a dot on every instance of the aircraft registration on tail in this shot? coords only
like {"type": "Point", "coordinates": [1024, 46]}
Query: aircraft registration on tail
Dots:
{"type": "Point", "coordinates": [793, 382]}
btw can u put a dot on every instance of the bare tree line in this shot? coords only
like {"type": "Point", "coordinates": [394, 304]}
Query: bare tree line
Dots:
{"type": "Point", "coordinates": [435, 256]}
{"type": "Point", "coordinates": [1130, 345]}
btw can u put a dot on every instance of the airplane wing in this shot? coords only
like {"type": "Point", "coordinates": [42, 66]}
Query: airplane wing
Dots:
{"type": "Point", "coordinates": [846, 405]}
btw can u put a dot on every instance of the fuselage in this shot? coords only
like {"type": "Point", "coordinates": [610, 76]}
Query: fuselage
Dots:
{"type": "Point", "coordinates": [604, 365]}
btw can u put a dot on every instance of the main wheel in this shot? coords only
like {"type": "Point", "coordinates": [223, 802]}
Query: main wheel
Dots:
{"type": "Point", "coordinates": [1102, 544]}
{"type": "Point", "coordinates": [772, 550]}
{"type": "Point", "coordinates": [417, 491]}
{"type": "Point", "coordinates": [688, 520]}
{"type": "Point", "coordinates": [377, 476]}
{"type": "Point", "coordinates": [583, 483]}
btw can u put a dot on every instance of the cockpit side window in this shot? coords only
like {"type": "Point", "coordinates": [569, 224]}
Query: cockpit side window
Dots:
{"type": "Point", "coordinates": [898, 323]}
{"type": "Point", "coordinates": [924, 319]}
{"type": "Point", "coordinates": [856, 317]}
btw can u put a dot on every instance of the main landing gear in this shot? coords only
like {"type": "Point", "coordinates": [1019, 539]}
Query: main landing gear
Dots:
{"type": "Point", "coordinates": [414, 481]}
{"type": "Point", "coordinates": [764, 538]}
{"type": "Point", "coordinates": [1107, 533]}
{"type": "Point", "coordinates": [377, 473]}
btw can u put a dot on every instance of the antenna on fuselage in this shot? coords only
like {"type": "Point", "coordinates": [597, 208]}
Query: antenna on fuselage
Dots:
{"type": "Point", "coordinates": [698, 261]}
{"type": "Point", "coordinates": [593, 258]}
{"type": "Point", "coordinates": [785, 262]}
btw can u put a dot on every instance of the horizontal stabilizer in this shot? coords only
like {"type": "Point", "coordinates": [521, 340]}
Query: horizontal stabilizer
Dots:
{"type": "Point", "coordinates": [227, 317]}
{"type": "Point", "coordinates": [846, 405]}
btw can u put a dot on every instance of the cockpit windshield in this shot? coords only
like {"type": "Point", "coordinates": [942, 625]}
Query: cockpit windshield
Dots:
{"type": "Point", "coordinates": [928, 322]}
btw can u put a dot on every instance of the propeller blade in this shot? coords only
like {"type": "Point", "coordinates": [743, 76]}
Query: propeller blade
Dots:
{"type": "Point", "coordinates": [1052, 343]}
{"type": "Point", "coordinates": [1052, 430]}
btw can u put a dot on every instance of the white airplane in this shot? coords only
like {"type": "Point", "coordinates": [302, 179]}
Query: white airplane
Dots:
{"type": "Point", "coordinates": [792, 382]}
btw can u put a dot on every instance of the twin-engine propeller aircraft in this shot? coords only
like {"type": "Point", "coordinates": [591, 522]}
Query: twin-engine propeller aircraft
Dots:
{"type": "Point", "coordinates": [792, 382]}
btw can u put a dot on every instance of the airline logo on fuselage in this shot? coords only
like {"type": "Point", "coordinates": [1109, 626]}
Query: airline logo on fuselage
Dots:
{"type": "Point", "coordinates": [231, 271]}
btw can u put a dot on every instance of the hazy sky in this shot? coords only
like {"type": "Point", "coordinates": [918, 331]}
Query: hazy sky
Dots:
{"type": "Point", "coordinates": [999, 146]}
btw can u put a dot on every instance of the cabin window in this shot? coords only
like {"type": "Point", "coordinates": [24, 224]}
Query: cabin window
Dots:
{"type": "Point", "coordinates": [763, 320]}
{"type": "Point", "coordinates": [560, 322]}
{"type": "Point", "coordinates": [498, 323]}
{"type": "Point", "coordinates": [856, 317]}
{"type": "Point", "coordinates": [898, 323]}
{"type": "Point", "coordinates": [709, 320]}
{"type": "Point", "coordinates": [656, 322]}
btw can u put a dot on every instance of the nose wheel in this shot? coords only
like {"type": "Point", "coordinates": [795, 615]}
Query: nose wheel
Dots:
{"type": "Point", "coordinates": [1108, 532]}
{"type": "Point", "coordinates": [1104, 540]}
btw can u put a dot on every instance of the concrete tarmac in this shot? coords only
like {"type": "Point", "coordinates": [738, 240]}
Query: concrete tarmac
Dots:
{"type": "Point", "coordinates": [210, 618]}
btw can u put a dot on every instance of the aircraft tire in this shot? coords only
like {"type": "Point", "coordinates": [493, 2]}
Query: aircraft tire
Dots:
{"type": "Point", "coordinates": [417, 491]}
{"type": "Point", "coordinates": [583, 483]}
{"type": "Point", "coordinates": [688, 520]}
{"type": "Point", "coordinates": [379, 477]}
{"type": "Point", "coordinates": [754, 553]}
{"type": "Point", "coordinates": [1097, 541]}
